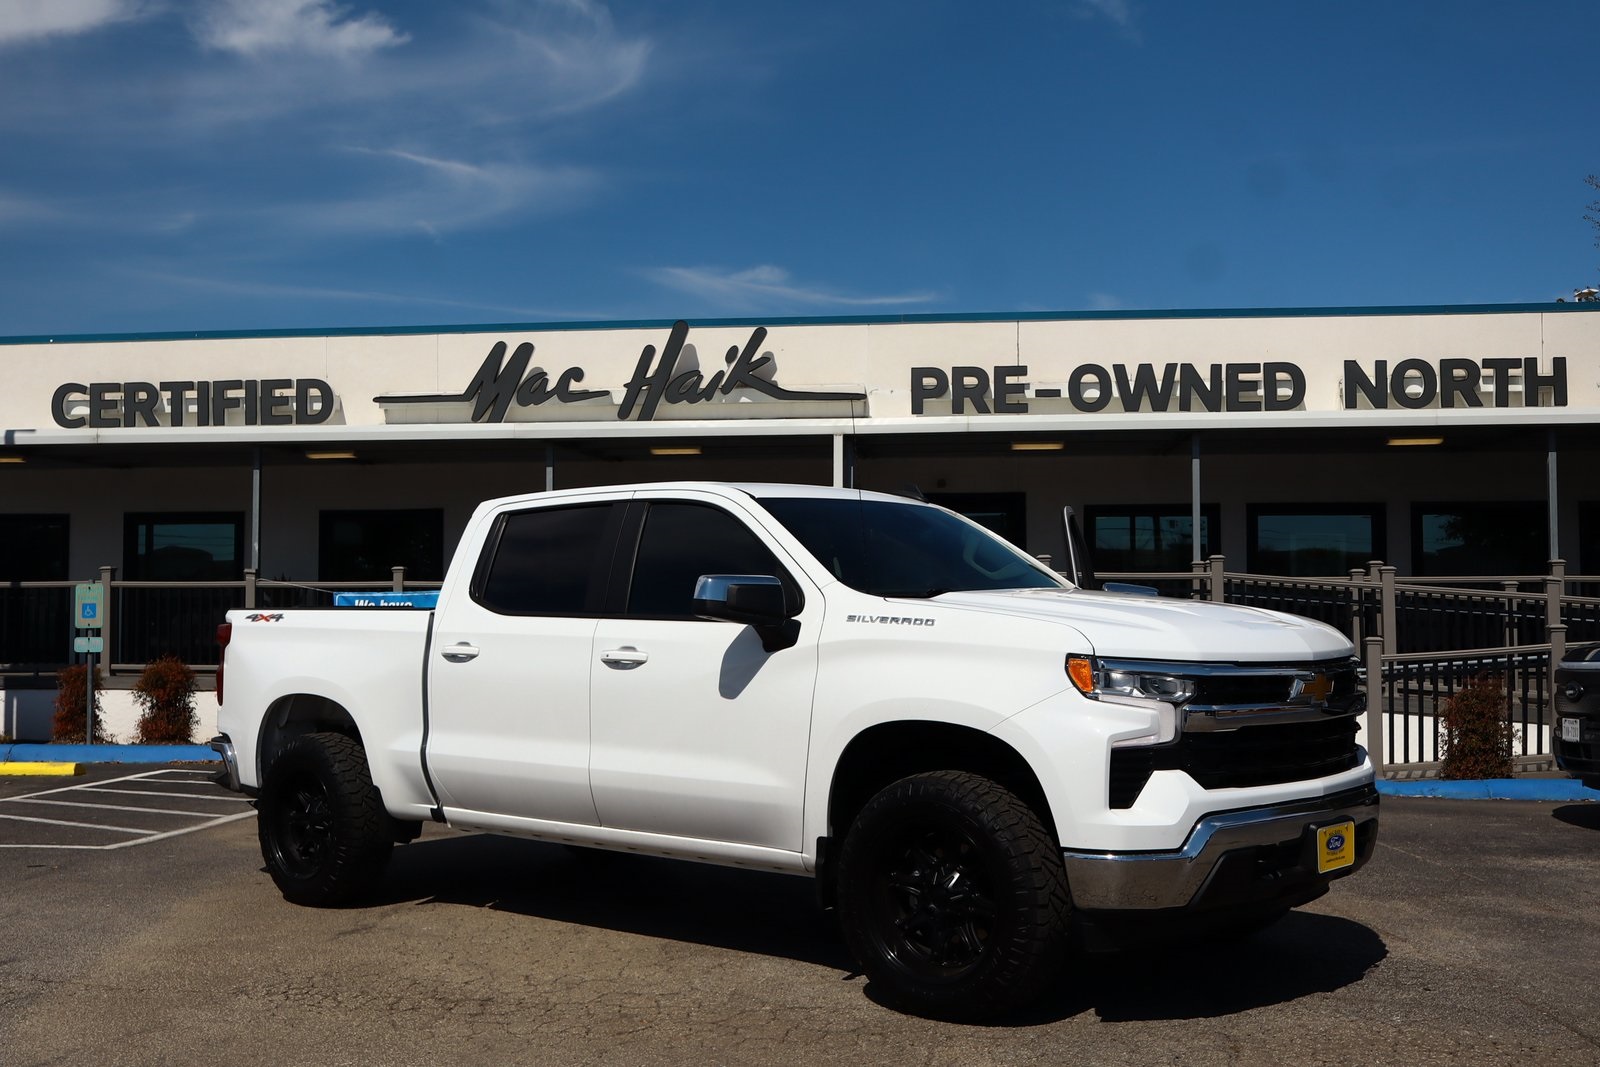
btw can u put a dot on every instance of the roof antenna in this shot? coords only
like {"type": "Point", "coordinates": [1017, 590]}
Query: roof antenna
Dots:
{"type": "Point", "coordinates": [910, 490]}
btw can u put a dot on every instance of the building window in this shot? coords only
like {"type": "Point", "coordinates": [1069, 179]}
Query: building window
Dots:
{"type": "Point", "coordinates": [366, 546]}
{"type": "Point", "coordinates": [183, 546]}
{"type": "Point", "coordinates": [1154, 538]}
{"type": "Point", "coordinates": [1307, 540]}
{"type": "Point", "coordinates": [33, 548]}
{"type": "Point", "coordinates": [1499, 537]}
{"type": "Point", "coordinates": [1003, 513]}
{"type": "Point", "coordinates": [1589, 537]}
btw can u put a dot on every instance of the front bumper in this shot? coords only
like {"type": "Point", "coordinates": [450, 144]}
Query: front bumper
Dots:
{"type": "Point", "coordinates": [1255, 856]}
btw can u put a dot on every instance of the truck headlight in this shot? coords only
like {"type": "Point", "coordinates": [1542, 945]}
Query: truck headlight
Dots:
{"type": "Point", "coordinates": [1151, 691]}
{"type": "Point", "coordinates": [1101, 683]}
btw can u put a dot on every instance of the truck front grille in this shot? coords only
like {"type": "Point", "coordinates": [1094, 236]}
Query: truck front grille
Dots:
{"type": "Point", "coordinates": [1233, 759]}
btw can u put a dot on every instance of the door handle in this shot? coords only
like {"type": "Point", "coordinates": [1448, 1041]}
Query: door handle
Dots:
{"type": "Point", "coordinates": [459, 652]}
{"type": "Point", "coordinates": [627, 656]}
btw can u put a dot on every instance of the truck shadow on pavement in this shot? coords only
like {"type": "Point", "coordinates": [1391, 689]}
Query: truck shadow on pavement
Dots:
{"type": "Point", "coordinates": [777, 915]}
{"type": "Point", "coordinates": [1584, 816]}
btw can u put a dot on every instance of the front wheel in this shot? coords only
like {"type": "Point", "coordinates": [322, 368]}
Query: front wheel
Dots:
{"type": "Point", "coordinates": [953, 897]}
{"type": "Point", "coordinates": [324, 832]}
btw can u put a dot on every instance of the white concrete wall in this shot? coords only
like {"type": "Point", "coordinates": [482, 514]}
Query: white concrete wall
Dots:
{"type": "Point", "coordinates": [27, 714]}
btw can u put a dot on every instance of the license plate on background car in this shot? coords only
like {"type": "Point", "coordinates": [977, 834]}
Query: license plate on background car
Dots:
{"type": "Point", "coordinates": [1569, 730]}
{"type": "Point", "coordinates": [1336, 846]}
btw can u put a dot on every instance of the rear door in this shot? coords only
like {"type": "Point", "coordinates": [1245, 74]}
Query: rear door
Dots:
{"type": "Point", "coordinates": [696, 730]}
{"type": "Point", "coordinates": [509, 666]}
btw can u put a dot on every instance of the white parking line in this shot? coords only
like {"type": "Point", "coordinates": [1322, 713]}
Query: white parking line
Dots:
{"type": "Point", "coordinates": [155, 793]}
{"type": "Point", "coordinates": [142, 837]}
{"type": "Point", "coordinates": [126, 807]}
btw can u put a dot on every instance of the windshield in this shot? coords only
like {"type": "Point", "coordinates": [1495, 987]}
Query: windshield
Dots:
{"type": "Point", "coordinates": [906, 550]}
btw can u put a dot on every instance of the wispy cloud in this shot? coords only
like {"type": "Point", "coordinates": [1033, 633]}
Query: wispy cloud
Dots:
{"type": "Point", "coordinates": [29, 20]}
{"type": "Point", "coordinates": [275, 291]}
{"type": "Point", "coordinates": [765, 286]}
{"type": "Point", "coordinates": [317, 27]}
{"type": "Point", "coordinates": [441, 195]}
{"type": "Point", "coordinates": [1106, 302]}
{"type": "Point", "coordinates": [1119, 13]}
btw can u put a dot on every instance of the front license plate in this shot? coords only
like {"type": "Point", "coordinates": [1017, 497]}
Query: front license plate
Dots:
{"type": "Point", "coordinates": [1569, 730]}
{"type": "Point", "coordinates": [1336, 846]}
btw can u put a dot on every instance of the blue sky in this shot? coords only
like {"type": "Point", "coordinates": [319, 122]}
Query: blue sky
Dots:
{"type": "Point", "coordinates": [176, 165]}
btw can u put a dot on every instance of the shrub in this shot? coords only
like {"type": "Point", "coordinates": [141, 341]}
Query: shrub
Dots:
{"type": "Point", "coordinates": [1477, 734]}
{"type": "Point", "coordinates": [71, 707]}
{"type": "Point", "coordinates": [165, 695]}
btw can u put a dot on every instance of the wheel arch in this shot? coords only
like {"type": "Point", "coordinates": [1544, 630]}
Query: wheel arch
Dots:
{"type": "Point", "coordinates": [888, 752]}
{"type": "Point", "coordinates": [298, 714]}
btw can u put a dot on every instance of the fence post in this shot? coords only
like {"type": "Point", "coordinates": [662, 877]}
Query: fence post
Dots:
{"type": "Point", "coordinates": [1219, 584]}
{"type": "Point", "coordinates": [1386, 623]}
{"type": "Point", "coordinates": [399, 576]}
{"type": "Point", "coordinates": [250, 587]}
{"type": "Point", "coordinates": [1373, 658]}
{"type": "Point", "coordinates": [1555, 587]}
{"type": "Point", "coordinates": [1357, 577]}
{"type": "Point", "coordinates": [107, 628]}
{"type": "Point", "coordinates": [1197, 585]}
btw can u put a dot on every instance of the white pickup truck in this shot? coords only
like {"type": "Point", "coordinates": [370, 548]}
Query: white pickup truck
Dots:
{"type": "Point", "coordinates": [982, 764]}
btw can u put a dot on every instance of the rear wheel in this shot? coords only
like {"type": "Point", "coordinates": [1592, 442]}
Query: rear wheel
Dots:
{"type": "Point", "coordinates": [324, 832]}
{"type": "Point", "coordinates": [953, 897]}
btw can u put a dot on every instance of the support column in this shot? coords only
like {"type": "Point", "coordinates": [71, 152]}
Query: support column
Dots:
{"type": "Point", "coordinates": [255, 509]}
{"type": "Point", "coordinates": [549, 468]}
{"type": "Point", "coordinates": [1194, 499]}
{"type": "Point", "coordinates": [844, 462]}
{"type": "Point", "coordinates": [1552, 494]}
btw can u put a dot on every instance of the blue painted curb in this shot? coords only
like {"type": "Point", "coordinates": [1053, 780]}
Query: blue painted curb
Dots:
{"type": "Point", "coordinates": [25, 753]}
{"type": "Point", "coordinates": [1552, 789]}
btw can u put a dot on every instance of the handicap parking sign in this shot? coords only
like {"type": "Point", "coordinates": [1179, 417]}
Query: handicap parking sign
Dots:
{"type": "Point", "coordinates": [87, 598]}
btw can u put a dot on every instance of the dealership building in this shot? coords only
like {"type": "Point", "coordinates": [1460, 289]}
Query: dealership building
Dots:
{"type": "Point", "coordinates": [1443, 440]}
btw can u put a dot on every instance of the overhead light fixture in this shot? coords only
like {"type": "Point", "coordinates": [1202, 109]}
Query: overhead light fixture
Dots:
{"type": "Point", "coordinates": [1038, 446]}
{"type": "Point", "coordinates": [675, 450]}
{"type": "Point", "coordinates": [330, 455]}
{"type": "Point", "coordinates": [1412, 442]}
{"type": "Point", "coordinates": [13, 459]}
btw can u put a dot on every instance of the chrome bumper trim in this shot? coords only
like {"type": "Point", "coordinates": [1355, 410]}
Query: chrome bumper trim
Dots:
{"type": "Point", "coordinates": [1150, 880]}
{"type": "Point", "coordinates": [223, 747]}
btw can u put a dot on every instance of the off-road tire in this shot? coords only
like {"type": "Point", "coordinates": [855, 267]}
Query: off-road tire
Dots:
{"type": "Point", "coordinates": [953, 897]}
{"type": "Point", "coordinates": [324, 832]}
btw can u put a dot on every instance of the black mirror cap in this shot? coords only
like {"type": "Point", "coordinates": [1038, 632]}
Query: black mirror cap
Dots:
{"type": "Point", "coordinates": [752, 599]}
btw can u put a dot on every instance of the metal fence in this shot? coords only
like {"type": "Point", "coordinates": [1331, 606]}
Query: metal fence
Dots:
{"type": "Point", "coordinates": [1421, 640]}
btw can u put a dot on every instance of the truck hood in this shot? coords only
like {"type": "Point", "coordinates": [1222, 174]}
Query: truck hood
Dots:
{"type": "Point", "coordinates": [1146, 627]}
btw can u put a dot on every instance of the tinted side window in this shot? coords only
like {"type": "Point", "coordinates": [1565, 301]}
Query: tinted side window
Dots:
{"type": "Point", "coordinates": [680, 542]}
{"type": "Point", "coordinates": [552, 561]}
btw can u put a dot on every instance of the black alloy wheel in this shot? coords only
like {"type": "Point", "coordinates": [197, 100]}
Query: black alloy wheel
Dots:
{"type": "Point", "coordinates": [323, 829]}
{"type": "Point", "coordinates": [953, 897]}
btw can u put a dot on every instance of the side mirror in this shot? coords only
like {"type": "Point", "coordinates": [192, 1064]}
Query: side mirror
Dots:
{"type": "Point", "coordinates": [753, 599]}
{"type": "Point", "coordinates": [756, 600]}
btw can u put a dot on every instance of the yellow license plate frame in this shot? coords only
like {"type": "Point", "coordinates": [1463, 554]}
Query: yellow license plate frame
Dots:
{"type": "Point", "coordinates": [1336, 846]}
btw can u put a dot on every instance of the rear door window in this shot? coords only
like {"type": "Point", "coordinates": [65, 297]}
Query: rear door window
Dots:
{"type": "Point", "coordinates": [549, 561]}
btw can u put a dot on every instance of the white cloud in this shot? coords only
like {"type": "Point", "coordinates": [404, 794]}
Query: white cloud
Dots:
{"type": "Point", "coordinates": [1117, 12]}
{"type": "Point", "coordinates": [762, 286]}
{"type": "Point", "coordinates": [317, 27]}
{"type": "Point", "coordinates": [438, 196]}
{"type": "Point", "coordinates": [26, 20]}
{"type": "Point", "coordinates": [1106, 302]}
{"type": "Point", "coordinates": [279, 291]}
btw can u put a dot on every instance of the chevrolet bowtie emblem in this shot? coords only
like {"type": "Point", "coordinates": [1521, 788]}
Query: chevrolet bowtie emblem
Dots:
{"type": "Point", "coordinates": [1315, 688]}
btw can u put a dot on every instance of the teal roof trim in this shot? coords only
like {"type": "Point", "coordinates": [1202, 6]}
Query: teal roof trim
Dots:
{"type": "Point", "coordinates": [827, 320]}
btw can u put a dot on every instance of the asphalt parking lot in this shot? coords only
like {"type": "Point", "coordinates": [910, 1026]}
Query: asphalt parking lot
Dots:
{"type": "Point", "coordinates": [1471, 938]}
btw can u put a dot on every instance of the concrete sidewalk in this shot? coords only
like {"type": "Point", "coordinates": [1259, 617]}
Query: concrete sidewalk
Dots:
{"type": "Point", "coordinates": [19, 758]}
{"type": "Point", "coordinates": [35, 759]}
